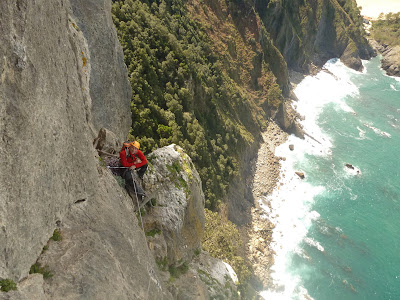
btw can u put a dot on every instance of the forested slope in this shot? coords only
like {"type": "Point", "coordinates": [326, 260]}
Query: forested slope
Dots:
{"type": "Point", "coordinates": [187, 92]}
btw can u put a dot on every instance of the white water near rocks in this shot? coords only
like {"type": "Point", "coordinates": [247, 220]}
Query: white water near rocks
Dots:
{"type": "Point", "coordinates": [293, 200]}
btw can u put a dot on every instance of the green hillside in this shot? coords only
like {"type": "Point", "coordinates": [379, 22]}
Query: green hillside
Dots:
{"type": "Point", "coordinates": [186, 92]}
{"type": "Point", "coordinates": [386, 30]}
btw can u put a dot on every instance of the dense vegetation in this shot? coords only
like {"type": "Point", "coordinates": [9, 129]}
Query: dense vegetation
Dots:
{"type": "Point", "coordinates": [386, 30]}
{"type": "Point", "coordinates": [222, 240]}
{"type": "Point", "coordinates": [183, 95]}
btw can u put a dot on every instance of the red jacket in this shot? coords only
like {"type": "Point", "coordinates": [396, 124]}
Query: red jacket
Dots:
{"type": "Point", "coordinates": [132, 159]}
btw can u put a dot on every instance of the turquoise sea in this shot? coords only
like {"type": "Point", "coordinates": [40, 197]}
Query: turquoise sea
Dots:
{"type": "Point", "coordinates": [337, 232]}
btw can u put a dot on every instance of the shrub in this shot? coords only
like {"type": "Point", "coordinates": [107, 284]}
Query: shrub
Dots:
{"type": "Point", "coordinates": [153, 232]}
{"type": "Point", "coordinates": [7, 285]}
{"type": "Point", "coordinates": [38, 268]}
{"type": "Point", "coordinates": [56, 235]}
{"type": "Point", "coordinates": [175, 272]}
{"type": "Point", "coordinates": [162, 263]}
{"type": "Point", "coordinates": [222, 240]}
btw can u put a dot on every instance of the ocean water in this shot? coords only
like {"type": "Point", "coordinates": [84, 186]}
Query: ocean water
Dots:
{"type": "Point", "coordinates": [337, 233]}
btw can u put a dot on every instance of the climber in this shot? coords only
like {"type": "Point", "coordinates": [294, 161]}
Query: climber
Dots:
{"type": "Point", "coordinates": [133, 159]}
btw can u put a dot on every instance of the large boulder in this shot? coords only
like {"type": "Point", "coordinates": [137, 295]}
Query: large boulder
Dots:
{"type": "Point", "coordinates": [174, 186]}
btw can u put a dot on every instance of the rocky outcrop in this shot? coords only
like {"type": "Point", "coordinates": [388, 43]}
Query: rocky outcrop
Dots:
{"type": "Point", "coordinates": [175, 186]}
{"type": "Point", "coordinates": [174, 226]}
{"type": "Point", "coordinates": [102, 252]}
{"type": "Point", "coordinates": [391, 61]}
{"type": "Point", "coordinates": [206, 278]}
{"type": "Point", "coordinates": [109, 88]}
{"type": "Point", "coordinates": [391, 58]}
{"type": "Point", "coordinates": [48, 117]}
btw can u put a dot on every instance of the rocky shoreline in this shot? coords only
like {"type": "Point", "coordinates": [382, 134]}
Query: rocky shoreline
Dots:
{"type": "Point", "coordinates": [266, 178]}
{"type": "Point", "coordinates": [391, 57]}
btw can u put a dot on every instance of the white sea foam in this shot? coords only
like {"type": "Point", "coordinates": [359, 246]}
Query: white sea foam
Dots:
{"type": "Point", "coordinates": [365, 63]}
{"type": "Point", "coordinates": [378, 131]}
{"type": "Point", "coordinates": [394, 88]}
{"type": "Point", "coordinates": [361, 134]}
{"type": "Point", "coordinates": [394, 122]}
{"type": "Point", "coordinates": [314, 243]}
{"type": "Point", "coordinates": [291, 202]}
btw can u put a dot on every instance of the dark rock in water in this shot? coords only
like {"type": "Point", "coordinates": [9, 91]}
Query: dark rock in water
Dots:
{"type": "Point", "coordinates": [291, 147]}
{"type": "Point", "coordinates": [350, 166]}
{"type": "Point", "coordinates": [300, 174]}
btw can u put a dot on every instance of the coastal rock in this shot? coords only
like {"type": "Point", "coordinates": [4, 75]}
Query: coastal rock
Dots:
{"type": "Point", "coordinates": [391, 61]}
{"type": "Point", "coordinates": [351, 58]}
{"type": "Point", "coordinates": [350, 166]}
{"type": "Point", "coordinates": [291, 147]}
{"type": "Point", "coordinates": [300, 174]}
{"type": "Point", "coordinates": [391, 57]}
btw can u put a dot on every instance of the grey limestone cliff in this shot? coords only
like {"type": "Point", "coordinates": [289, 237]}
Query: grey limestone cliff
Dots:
{"type": "Point", "coordinates": [49, 112]}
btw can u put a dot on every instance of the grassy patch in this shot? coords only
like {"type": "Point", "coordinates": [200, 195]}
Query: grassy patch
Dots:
{"type": "Point", "coordinates": [44, 270]}
{"type": "Point", "coordinates": [153, 232]}
{"type": "Point", "coordinates": [175, 272]}
{"type": "Point", "coordinates": [162, 263]}
{"type": "Point", "coordinates": [175, 168]}
{"type": "Point", "coordinates": [56, 235]}
{"type": "Point", "coordinates": [197, 252]}
{"type": "Point", "coordinates": [7, 285]}
{"type": "Point", "coordinates": [45, 248]}
{"type": "Point", "coordinates": [102, 162]}
{"type": "Point", "coordinates": [222, 240]}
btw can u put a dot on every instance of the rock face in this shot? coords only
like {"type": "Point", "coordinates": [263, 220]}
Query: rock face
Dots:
{"type": "Point", "coordinates": [391, 57]}
{"type": "Point", "coordinates": [109, 88]}
{"type": "Point", "coordinates": [391, 60]}
{"type": "Point", "coordinates": [102, 251]}
{"type": "Point", "coordinates": [49, 114]}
